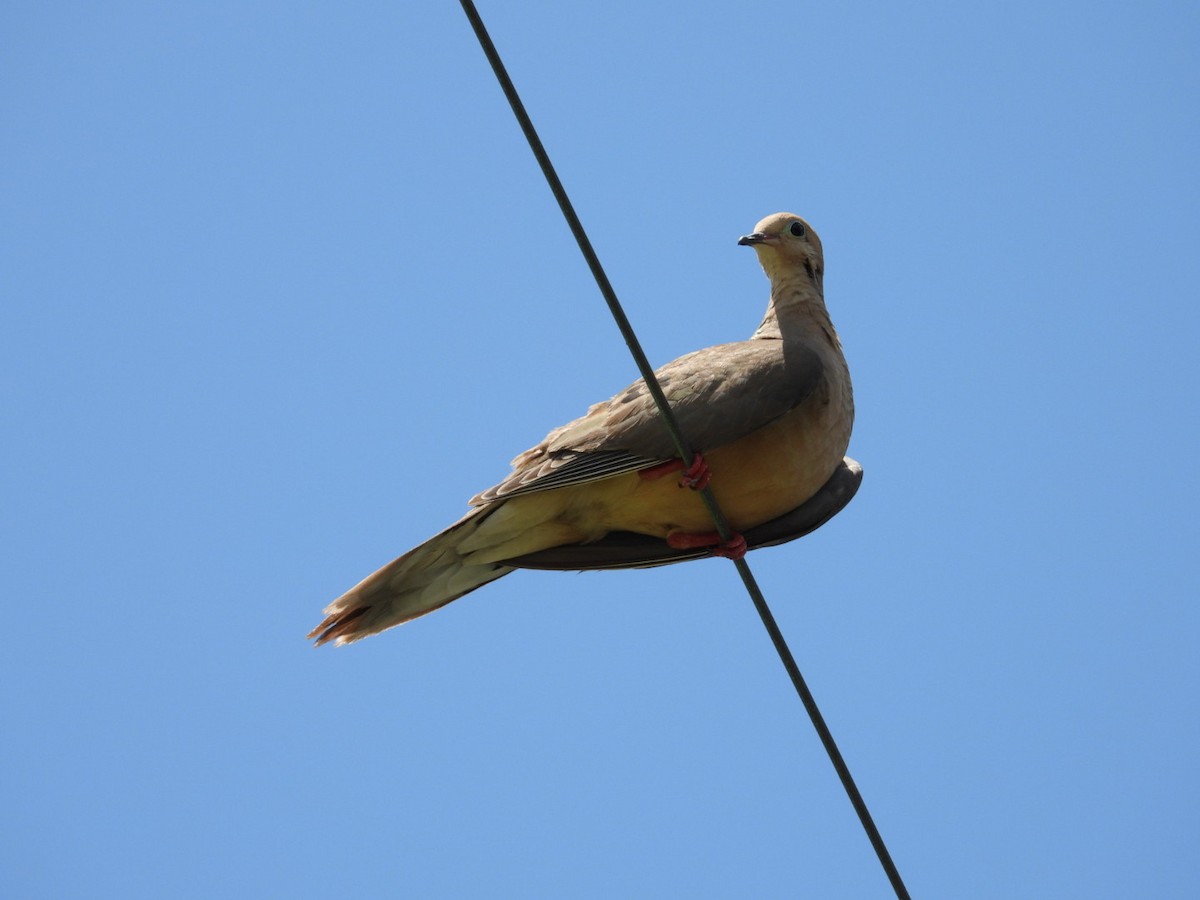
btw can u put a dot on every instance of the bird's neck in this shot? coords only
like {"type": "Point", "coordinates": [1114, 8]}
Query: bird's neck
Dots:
{"type": "Point", "coordinates": [797, 310]}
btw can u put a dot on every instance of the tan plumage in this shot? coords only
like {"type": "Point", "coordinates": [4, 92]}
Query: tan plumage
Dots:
{"type": "Point", "coordinates": [772, 416]}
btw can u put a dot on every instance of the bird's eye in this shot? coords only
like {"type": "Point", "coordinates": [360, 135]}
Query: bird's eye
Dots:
{"type": "Point", "coordinates": [797, 229]}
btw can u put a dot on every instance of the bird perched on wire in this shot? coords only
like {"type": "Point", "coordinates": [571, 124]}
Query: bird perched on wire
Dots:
{"type": "Point", "coordinates": [771, 417]}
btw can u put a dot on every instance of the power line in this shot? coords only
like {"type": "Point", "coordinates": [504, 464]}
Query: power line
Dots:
{"type": "Point", "coordinates": [681, 445]}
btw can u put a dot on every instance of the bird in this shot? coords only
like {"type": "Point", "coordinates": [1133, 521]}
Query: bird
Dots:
{"type": "Point", "coordinates": [771, 419]}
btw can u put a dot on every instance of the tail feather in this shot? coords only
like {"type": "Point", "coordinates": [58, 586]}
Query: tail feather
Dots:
{"type": "Point", "coordinates": [422, 580]}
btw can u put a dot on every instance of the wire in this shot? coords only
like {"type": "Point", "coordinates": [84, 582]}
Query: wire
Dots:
{"type": "Point", "coordinates": [681, 445]}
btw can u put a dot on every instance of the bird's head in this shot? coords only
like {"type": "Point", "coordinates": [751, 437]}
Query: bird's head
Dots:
{"type": "Point", "coordinates": [786, 245]}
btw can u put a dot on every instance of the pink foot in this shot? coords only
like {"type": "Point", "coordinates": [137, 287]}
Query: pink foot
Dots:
{"type": "Point", "coordinates": [734, 548]}
{"type": "Point", "coordinates": [696, 476]}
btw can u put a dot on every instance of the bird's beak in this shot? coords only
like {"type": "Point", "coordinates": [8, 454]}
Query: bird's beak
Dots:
{"type": "Point", "coordinates": [750, 240]}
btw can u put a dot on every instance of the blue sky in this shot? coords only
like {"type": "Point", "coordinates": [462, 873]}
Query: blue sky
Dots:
{"type": "Point", "coordinates": [283, 287]}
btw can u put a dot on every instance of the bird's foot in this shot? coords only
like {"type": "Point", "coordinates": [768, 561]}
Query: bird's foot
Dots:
{"type": "Point", "coordinates": [696, 476]}
{"type": "Point", "coordinates": [734, 548]}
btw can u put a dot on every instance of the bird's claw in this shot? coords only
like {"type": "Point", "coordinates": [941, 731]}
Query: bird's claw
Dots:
{"type": "Point", "coordinates": [695, 476]}
{"type": "Point", "coordinates": [734, 548]}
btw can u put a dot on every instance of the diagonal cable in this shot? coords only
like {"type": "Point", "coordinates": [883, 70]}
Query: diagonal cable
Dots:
{"type": "Point", "coordinates": [681, 445]}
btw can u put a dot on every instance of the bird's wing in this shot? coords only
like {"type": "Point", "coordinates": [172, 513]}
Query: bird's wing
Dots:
{"type": "Point", "coordinates": [718, 395]}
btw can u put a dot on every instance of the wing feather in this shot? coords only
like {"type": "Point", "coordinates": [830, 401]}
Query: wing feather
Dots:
{"type": "Point", "coordinates": [718, 395]}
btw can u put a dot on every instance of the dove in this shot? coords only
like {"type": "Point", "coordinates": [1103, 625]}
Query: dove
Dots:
{"type": "Point", "coordinates": [771, 419]}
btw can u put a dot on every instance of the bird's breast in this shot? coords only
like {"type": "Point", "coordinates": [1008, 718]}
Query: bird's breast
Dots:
{"type": "Point", "coordinates": [755, 479]}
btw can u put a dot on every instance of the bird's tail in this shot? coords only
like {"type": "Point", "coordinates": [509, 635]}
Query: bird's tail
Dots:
{"type": "Point", "coordinates": [422, 580]}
